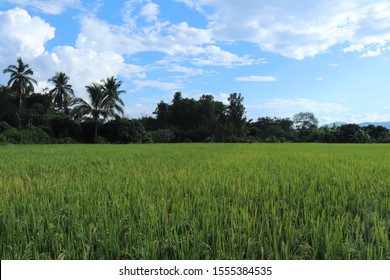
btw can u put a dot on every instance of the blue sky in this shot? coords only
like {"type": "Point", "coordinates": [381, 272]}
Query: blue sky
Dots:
{"type": "Point", "coordinates": [284, 56]}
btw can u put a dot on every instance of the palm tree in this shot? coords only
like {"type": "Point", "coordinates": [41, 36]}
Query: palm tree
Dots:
{"type": "Point", "coordinates": [62, 93]}
{"type": "Point", "coordinates": [20, 82]}
{"type": "Point", "coordinates": [111, 87]}
{"type": "Point", "coordinates": [103, 105]}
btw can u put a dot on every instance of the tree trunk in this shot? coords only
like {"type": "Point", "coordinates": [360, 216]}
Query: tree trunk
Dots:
{"type": "Point", "coordinates": [95, 136]}
{"type": "Point", "coordinates": [18, 115]}
{"type": "Point", "coordinates": [20, 102]}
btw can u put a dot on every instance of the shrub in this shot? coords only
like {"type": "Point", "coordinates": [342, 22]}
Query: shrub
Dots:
{"type": "Point", "coordinates": [101, 140]}
{"type": "Point", "coordinates": [209, 139]}
{"type": "Point", "coordinates": [124, 131]}
{"type": "Point", "coordinates": [65, 140]}
{"type": "Point", "coordinates": [12, 136]}
{"type": "Point", "coordinates": [63, 127]}
{"type": "Point", "coordinates": [163, 136]}
{"type": "Point", "coordinates": [34, 135]}
{"type": "Point", "coordinates": [4, 126]}
{"type": "Point", "coordinates": [233, 139]}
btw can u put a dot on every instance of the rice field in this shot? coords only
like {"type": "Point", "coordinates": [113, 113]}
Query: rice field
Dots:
{"type": "Point", "coordinates": [195, 201]}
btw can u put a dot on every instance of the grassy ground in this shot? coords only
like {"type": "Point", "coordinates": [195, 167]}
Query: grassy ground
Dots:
{"type": "Point", "coordinates": [195, 201]}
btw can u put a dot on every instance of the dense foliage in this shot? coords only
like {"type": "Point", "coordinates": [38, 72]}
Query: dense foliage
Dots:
{"type": "Point", "coordinates": [58, 116]}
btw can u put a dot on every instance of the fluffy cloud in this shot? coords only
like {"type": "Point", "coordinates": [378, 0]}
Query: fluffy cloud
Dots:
{"type": "Point", "coordinates": [299, 28]}
{"type": "Point", "coordinates": [177, 39]}
{"type": "Point", "coordinates": [100, 36]}
{"type": "Point", "coordinates": [25, 36]}
{"type": "Point", "coordinates": [54, 7]}
{"type": "Point", "coordinates": [83, 66]}
{"type": "Point", "coordinates": [22, 35]}
{"type": "Point", "coordinates": [100, 49]}
{"type": "Point", "coordinates": [296, 29]}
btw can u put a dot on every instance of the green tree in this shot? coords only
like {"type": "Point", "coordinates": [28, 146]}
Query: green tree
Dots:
{"type": "Point", "coordinates": [236, 114]}
{"type": "Point", "coordinates": [271, 129]}
{"type": "Point", "coordinates": [207, 111]}
{"type": "Point", "coordinates": [379, 133]}
{"type": "Point", "coordinates": [21, 83]}
{"type": "Point", "coordinates": [62, 93]}
{"type": "Point", "coordinates": [162, 113]}
{"type": "Point", "coordinates": [192, 120]}
{"type": "Point", "coordinates": [362, 136]}
{"type": "Point", "coordinates": [103, 105]}
{"type": "Point", "coordinates": [306, 125]}
{"type": "Point", "coordinates": [8, 106]}
{"type": "Point", "coordinates": [124, 131]}
{"type": "Point", "coordinates": [182, 116]}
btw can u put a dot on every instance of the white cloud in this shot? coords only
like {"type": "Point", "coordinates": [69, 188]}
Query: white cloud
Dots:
{"type": "Point", "coordinates": [54, 7]}
{"type": "Point", "coordinates": [354, 48]}
{"type": "Point", "coordinates": [127, 13]}
{"type": "Point", "coordinates": [83, 66]}
{"type": "Point", "coordinates": [150, 11]}
{"type": "Point", "coordinates": [215, 56]}
{"type": "Point", "coordinates": [25, 36]}
{"type": "Point", "coordinates": [180, 39]}
{"type": "Point", "coordinates": [187, 71]}
{"type": "Point", "coordinates": [256, 79]}
{"type": "Point", "coordinates": [223, 97]}
{"type": "Point", "coordinates": [100, 36]}
{"type": "Point", "coordinates": [137, 110]}
{"type": "Point", "coordinates": [22, 35]}
{"type": "Point", "coordinates": [141, 84]}
{"type": "Point", "coordinates": [372, 53]}
{"type": "Point", "coordinates": [185, 39]}
{"type": "Point", "coordinates": [300, 28]}
{"type": "Point", "coordinates": [133, 10]}
{"type": "Point", "coordinates": [369, 117]}
{"type": "Point", "coordinates": [319, 79]}
{"type": "Point", "coordinates": [326, 113]}
{"type": "Point", "coordinates": [288, 107]}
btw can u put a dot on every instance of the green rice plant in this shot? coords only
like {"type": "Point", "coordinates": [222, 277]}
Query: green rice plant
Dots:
{"type": "Point", "coordinates": [195, 201]}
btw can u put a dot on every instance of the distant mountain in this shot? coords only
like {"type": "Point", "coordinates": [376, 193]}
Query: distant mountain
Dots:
{"type": "Point", "coordinates": [385, 124]}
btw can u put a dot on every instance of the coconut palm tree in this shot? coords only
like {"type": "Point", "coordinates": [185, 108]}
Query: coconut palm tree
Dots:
{"type": "Point", "coordinates": [62, 93]}
{"type": "Point", "coordinates": [102, 105]}
{"type": "Point", "coordinates": [20, 82]}
{"type": "Point", "coordinates": [111, 88]}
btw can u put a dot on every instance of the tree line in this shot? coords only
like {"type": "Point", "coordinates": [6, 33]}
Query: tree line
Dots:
{"type": "Point", "coordinates": [58, 116]}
